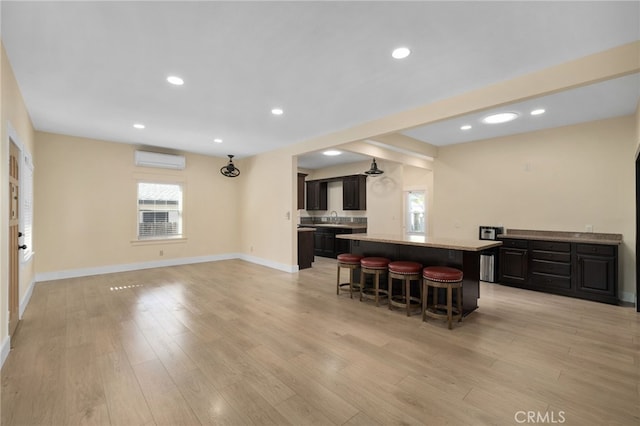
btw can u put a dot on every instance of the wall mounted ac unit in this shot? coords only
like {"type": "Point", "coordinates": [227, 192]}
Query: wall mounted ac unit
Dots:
{"type": "Point", "coordinates": [163, 161]}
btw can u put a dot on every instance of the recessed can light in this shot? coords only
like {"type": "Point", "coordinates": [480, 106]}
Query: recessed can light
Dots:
{"type": "Point", "coordinates": [401, 52]}
{"type": "Point", "coordinates": [332, 152]}
{"type": "Point", "coordinates": [501, 117]}
{"type": "Point", "coordinates": [175, 80]}
{"type": "Point", "coordinates": [217, 140]}
{"type": "Point", "coordinates": [465, 127]}
{"type": "Point", "coordinates": [139, 126]}
{"type": "Point", "coordinates": [538, 111]}
{"type": "Point", "coordinates": [277, 111]}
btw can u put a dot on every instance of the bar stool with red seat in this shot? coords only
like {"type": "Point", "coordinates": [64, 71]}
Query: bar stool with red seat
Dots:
{"type": "Point", "coordinates": [351, 262]}
{"type": "Point", "coordinates": [442, 277]}
{"type": "Point", "coordinates": [375, 266]}
{"type": "Point", "coordinates": [407, 272]}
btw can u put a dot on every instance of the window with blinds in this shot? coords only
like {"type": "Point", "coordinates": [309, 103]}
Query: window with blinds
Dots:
{"type": "Point", "coordinates": [159, 210]}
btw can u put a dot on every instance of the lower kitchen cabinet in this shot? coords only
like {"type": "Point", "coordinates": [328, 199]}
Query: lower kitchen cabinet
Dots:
{"type": "Point", "coordinates": [326, 243]}
{"type": "Point", "coordinates": [514, 261]}
{"type": "Point", "coordinates": [596, 272]}
{"type": "Point", "coordinates": [586, 271]}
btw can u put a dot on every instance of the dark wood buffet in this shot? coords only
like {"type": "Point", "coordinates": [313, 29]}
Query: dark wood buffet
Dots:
{"type": "Point", "coordinates": [571, 264]}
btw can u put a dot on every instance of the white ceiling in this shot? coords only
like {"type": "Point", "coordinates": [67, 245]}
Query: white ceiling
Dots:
{"type": "Point", "coordinates": [92, 69]}
{"type": "Point", "coordinates": [608, 99]}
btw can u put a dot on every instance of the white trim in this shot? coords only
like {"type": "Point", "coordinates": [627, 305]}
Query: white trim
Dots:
{"type": "Point", "coordinates": [269, 263]}
{"type": "Point", "coordinates": [109, 269]}
{"type": "Point", "coordinates": [627, 296]}
{"type": "Point", "coordinates": [26, 298]}
{"type": "Point", "coordinates": [4, 350]}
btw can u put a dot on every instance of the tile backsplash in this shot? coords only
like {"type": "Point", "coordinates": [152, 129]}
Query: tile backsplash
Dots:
{"type": "Point", "coordinates": [310, 220]}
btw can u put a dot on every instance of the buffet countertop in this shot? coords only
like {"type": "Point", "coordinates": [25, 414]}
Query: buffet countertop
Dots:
{"type": "Point", "coordinates": [571, 237]}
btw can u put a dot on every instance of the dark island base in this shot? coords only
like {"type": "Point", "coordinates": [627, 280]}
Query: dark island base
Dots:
{"type": "Point", "coordinates": [467, 261]}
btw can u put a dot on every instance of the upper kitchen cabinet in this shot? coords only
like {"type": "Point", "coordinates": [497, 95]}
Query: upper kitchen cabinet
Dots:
{"type": "Point", "coordinates": [354, 192]}
{"type": "Point", "coordinates": [317, 195]}
{"type": "Point", "coordinates": [301, 177]}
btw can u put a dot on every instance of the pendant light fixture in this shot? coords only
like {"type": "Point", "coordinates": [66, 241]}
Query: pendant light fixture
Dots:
{"type": "Point", "coordinates": [230, 170]}
{"type": "Point", "coordinates": [374, 170]}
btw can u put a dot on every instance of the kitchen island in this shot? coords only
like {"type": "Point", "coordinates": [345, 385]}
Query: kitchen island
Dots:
{"type": "Point", "coordinates": [429, 251]}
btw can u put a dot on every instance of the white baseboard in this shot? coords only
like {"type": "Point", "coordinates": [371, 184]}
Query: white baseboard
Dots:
{"type": "Point", "coordinates": [4, 350]}
{"type": "Point", "coordinates": [109, 269]}
{"type": "Point", "coordinates": [627, 296]}
{"type": "Point", "coordinates": [269, 263]}
{"type": "Point", "coordinates": [25, 300]}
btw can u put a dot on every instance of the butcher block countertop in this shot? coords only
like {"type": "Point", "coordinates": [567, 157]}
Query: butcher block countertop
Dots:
{"type": "Point", "coordinates": [422, 241]}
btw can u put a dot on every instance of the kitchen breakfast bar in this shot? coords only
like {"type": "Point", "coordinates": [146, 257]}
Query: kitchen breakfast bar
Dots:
{"type": "Point", "coordinates": [461, 254]}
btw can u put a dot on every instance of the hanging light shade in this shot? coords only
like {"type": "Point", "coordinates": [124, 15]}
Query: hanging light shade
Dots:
{"type": "Point", "coordinates": [374, 170]}
{"type": "Point", "coordinates": [230, 170]}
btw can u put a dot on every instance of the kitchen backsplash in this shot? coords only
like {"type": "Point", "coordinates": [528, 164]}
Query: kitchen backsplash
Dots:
{"type": "Point", "coordinates": [310, 220]}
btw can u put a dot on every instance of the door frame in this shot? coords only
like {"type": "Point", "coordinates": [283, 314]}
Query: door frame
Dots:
{"type": "Point", "coordinates": [15, 198]}
{"type": "Point", "coordinates": [12, 138]}
{"type": "Point", "coordinates": [637, 231]}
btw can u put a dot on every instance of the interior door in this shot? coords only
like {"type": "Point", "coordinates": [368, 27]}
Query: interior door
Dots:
{"type": "Point", "coordinates": [14, 263]}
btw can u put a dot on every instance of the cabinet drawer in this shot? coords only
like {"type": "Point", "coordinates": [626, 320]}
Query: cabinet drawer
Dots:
{"type": "Point", "coordinates": [551, 246]}
{"type": "Point", "coordinates": [551, 255]}
{"type": "Point", "coordinates": [542, 280]}
{"type": "Point", "coordinates": [597, 249]}
{"type": "Point", "coordinates": [515, 243]}
{"type": "Point", "coordinates": [556, 268]}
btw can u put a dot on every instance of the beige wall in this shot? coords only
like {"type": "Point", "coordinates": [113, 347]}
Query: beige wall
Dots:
{"type": "Point", "coordinates": [559, 179]}
{"type": "Point", "coordinates": [86, 206]}
{"type": "Point", "coordinates": [267, 212]}
{"type": "Point", "coordinates": [14, 113]}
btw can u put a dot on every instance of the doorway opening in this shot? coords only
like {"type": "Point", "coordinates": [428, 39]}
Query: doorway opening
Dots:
{"type": "Point", "coordinates": [415, 212]}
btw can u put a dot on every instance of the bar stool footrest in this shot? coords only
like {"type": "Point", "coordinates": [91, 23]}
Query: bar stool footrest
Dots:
{"type": "Point", "coordinates": [401, 302]}
{"type": "Point", "coordinates": [440, 312]}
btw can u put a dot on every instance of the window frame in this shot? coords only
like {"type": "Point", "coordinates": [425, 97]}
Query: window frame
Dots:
{"type": "Point", "coordinates": [160, 238]}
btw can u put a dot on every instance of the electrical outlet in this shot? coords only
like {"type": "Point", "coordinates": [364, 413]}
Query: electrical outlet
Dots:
{"type": "Point", "coordinates": [161, 252]}
{"type": "Point", "coordinates": [588, 228]}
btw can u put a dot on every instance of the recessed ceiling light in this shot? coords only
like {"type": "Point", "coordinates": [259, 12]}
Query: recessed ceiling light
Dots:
{"type": "Point", "coordinates": [332, 152]}
{"type": "Point", "coordinates": [401, 52]}
{"type": "Point", "coordinates": [217, 140]}
{"type": "Point", "coordinates": [175, 80]}
{"type": "Point", "coordinates": [277, 111]}
{"type": "Point", "coordinates": [139, 126]}
{"type": "Point", "coordinates": [465, 127]}
{"type": "Point", "coordinates": [538, 111]}
{"type": "Point", "coordinates": [501, 117]}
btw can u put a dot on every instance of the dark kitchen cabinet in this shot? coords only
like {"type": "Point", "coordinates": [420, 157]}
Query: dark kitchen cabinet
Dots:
{"type": "Point", "coordinates": [316, 195]}
{"type": "Point", "coordinates": [326, 243]}
{"type": "Point", "coordinates": [354, 192]}
{"type": "Point", "coordinates": [551, 265]}
{"type": "Point", "coordinates": [596, 272]}
{"type": "Point", "coordinates": [300, 184]}
{"type": "Point", "coordinates": [305, 248]}
{"type": "Point", "coordinates": [586, 271]}
{"type": "Point", "coordinates": [514, 261]}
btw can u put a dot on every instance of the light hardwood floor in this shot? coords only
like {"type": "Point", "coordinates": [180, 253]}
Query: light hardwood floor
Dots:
{"type": "Point", "coordinates": [235, 343]}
